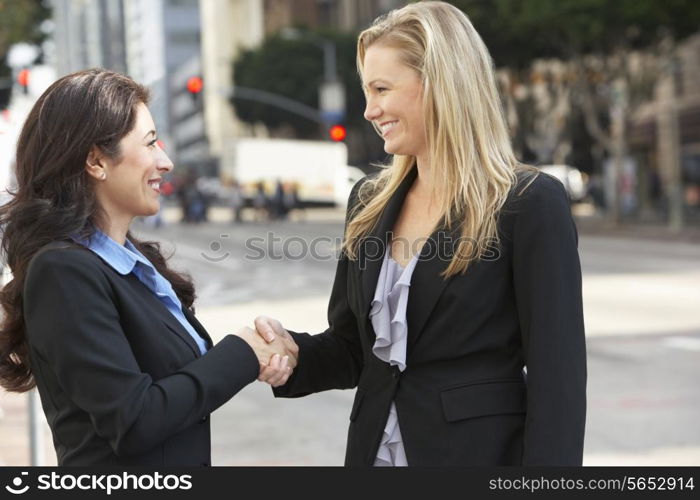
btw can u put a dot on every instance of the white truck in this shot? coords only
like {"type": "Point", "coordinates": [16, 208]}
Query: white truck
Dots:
{"type": "Point", "coordinates": [318, 169]}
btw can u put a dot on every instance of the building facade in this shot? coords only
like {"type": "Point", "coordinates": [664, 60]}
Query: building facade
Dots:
{"type": "Point", "coordinates": [163, 43]}
{"type": "Point", "coordinates": [228, 26]}
{"type": "Point", "coordinates": [89, 33]}
{"type": "Point", "coordinates": [146, 39]}
{"type": "Point", "coordinates": [343, 15]}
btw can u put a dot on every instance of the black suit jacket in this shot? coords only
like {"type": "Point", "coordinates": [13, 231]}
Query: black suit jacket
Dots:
{"type": "Point", "coordinates": [463, 398]}
{"type": "Point", "coordinates": [120, 380]}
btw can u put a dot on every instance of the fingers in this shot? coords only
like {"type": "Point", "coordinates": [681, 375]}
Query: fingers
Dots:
{"type": "Point", "coordinates": [279, 377]}
{"type": "Point", "coordinates": [270, 327]}
{"type": "Point", "coordinates": [277, 372]}
{"type": "Point", "coordinates": [269, 372]}
{"type": "Point", "coordinates": [270, 330]}
{"type": "Point", "coordinates": [269, 375]}
{"type": "Point", "coordinates": [265, 329]}
{"type": "Point", "coordinates": [293, 356]}
{"type": "Point", "coordinates": [275, 368]}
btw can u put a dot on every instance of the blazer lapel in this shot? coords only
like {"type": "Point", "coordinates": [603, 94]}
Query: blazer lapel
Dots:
{"type": "Point", "coordinates": [427, 284]}
{"type": "Point", "coordinates": [198, 327]}
{"type": "Point", "coordinates": [374, 246]}
{"type": "Point", "coordinates": [174, 325]}
{"type": "Point", "coordinates": [166, 317]}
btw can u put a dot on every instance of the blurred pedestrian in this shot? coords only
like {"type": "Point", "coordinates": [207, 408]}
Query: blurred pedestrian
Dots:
{"type": "Point", "coordinates": [191, 200]}
{"type": "Point", "coordinates": [260, 203]}
{"type": "Point", "coordinates": [208, 192]}
{"type": "Point", "coordinates": [236, 200]}
{"type": "Point", "coordinates": [292, 203]}
{"type": "Point", "coordinates": [181, 188]}
{"type": "Point", "coordinates": [456, 309]}
{"type": "Point", "coordinates": [279, 208]}
{"type": "Point", "coordinates": [94, 317]}
{"type": "Point", "coordinates": [596, 191]}
{"type": "Point", "coordinates": [196, 203]}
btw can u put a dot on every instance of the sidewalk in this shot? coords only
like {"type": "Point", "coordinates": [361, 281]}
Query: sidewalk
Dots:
{"type": "Point", "coordinates": [14, 432]}
{"type": "Point", "coordinates": [595, 225]}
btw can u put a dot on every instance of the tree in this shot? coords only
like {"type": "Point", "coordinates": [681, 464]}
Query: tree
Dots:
{"type": "Point", "coordinates": [518, 31]}
{"type": "Point", "coordinates": [19, 22]}
{"type": "Point", "coordinates": [294, 69]}
{"type": "Point", "coordinates": [597, 38]}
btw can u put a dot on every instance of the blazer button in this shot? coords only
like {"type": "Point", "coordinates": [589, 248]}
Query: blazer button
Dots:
{"type": "Point", "coordinates": [204, 419]}
{"type": "Point", "coordinates": [205, 464]}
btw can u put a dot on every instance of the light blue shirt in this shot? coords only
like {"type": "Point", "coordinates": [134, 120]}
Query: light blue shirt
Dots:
{"type": "Point", "coordinates": [127, 259]}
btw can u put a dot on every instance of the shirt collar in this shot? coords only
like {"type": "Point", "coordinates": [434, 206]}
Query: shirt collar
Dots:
{"type": "Point", "coordinates": [122, 258]}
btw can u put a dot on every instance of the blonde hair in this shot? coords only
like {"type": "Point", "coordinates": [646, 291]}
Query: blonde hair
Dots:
{"type": "Point", "coordinates": [467, 137]}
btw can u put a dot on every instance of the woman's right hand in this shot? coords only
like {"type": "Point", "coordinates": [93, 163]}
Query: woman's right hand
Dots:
{"type": "Point", "coordinates": [276, 361]}
{"type": "Point", "coordinates": [272, 331]}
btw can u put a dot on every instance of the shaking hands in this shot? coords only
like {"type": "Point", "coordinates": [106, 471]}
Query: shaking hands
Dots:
{"type": "Point", "coordinates": [275, 348]}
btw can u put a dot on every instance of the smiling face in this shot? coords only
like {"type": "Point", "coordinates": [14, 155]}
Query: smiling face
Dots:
{"type": "Point", "coordinates": [129, 186]}
{"type": "Point", "coordinates": [394, 94]}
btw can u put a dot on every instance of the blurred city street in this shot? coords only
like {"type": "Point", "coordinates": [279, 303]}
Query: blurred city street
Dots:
{"type": "Point", "coordinates": [643, 329]}
{"type": "Point", "coordinates": [259, 106]}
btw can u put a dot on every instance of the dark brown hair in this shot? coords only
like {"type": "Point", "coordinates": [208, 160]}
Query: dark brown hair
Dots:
{"type": "Point", "coordinates": [54, 199]}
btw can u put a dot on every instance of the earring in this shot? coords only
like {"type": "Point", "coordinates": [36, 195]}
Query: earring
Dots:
{"type": "Point", "coordinates": [103, 176]}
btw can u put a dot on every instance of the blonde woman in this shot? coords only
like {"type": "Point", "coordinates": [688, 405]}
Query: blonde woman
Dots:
{"type": "Point", "coordinates": [456, 309]}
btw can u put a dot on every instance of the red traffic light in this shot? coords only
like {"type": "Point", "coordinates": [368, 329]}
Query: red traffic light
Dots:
{"type": "Point", "coordinates": [338, 133]}
{"type": "Point", "coordinates": [23, 78]}
{"type": "Point", "coordinates": [194, 85]}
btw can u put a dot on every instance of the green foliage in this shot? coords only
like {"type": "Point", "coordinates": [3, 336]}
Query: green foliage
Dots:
{"type": "Point", "coordinates": [517, 31]}
{"type": "Point", "coordinates": [19, 22]}
{"type": "Point", "coordinates": [294, 69]}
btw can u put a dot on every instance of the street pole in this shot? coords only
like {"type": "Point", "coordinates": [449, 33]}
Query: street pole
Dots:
{"type": "Point", "coordinates": [331, 93]}
{"type": "Point", "coordinates": [619, 146]}
{"type": "Point", "coordinates": [36, 436]}
{"type": "Point", "coordinates": [668, 139]}
{"type": "Point", "coordinates": [330, 64]}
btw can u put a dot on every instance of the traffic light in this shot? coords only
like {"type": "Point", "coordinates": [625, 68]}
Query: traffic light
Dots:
{"type": "Point", "coordinates": [23, 80]}
{"type": "Point", "coordinates": [194, 86]}
{"type": "Point", "coordinates": [338, 133]}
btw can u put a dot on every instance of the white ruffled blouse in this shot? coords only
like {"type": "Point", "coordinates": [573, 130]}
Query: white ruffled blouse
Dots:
{"type": "Point", "coordinates": [388, 317]}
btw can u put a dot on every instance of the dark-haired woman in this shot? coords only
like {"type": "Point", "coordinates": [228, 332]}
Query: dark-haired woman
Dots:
{"type": "Point", "coordinates": [94, 317]}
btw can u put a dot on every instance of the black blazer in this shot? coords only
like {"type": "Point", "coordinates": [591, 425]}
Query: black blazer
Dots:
{"type": "Point", "coordinates": [463, 398]}
{"type": "Point", "coordinates": [120, 380]}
